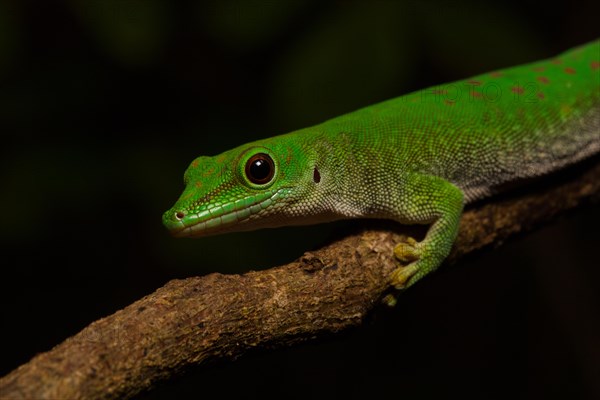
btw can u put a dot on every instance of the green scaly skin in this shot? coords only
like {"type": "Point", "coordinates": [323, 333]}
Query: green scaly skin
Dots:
{"type": "Point", "coordinates": [416, 159]}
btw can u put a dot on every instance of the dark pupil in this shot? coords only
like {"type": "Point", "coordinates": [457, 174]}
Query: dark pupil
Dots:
{"type": "Point", "coordinates": [260, 170]}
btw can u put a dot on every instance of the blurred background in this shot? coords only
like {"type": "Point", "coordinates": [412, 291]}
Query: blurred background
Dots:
{"type": "Point", "coordinates": [103, 104]}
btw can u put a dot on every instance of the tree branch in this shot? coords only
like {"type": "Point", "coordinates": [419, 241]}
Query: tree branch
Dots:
{"type": "Point", "coordinates": [199, 319]}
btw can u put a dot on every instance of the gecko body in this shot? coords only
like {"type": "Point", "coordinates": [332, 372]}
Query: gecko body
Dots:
{"type": "Point", "coordinates": [416, 159]}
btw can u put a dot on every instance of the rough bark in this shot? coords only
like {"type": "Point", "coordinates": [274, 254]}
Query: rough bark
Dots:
{"type": "Point", "coordinates": [199, 319]}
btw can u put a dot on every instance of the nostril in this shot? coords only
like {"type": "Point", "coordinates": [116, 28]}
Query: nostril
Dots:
{"type": "Point", "coordinates": [179, 215]}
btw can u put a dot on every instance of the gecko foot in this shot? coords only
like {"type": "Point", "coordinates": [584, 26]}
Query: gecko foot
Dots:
{"type": "Point", "coordinates": [408, 252]}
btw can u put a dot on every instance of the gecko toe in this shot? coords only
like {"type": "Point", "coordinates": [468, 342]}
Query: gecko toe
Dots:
{"type": "Point", "coordinates": [401, 276]}
{"type": "Point", "coordinates": [407, 252]}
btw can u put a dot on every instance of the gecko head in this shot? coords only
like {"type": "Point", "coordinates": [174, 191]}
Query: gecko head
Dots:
{"type": "Point", "coordinates": [242, 189]}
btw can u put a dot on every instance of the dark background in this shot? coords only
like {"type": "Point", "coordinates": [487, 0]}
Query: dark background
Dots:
{"type": "Point", "coordinates": [103, 104]}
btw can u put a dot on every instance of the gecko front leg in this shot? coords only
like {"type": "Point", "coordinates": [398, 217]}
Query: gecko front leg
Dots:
{"type": "Point", "coordinates": [431, 200]}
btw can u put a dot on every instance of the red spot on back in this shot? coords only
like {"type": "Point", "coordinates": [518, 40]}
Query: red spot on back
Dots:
{"type": "Point", "coordinates": [449, 102]}
{"type": "Point", "coordinates": [556, 61]}
{"type": "Point", "coordinates": [209, 171]}
{"type": "Point", "coordinates": [496, 74]}
{"type": "Point", "coordinates": [198, 184]}
{"type": "Point", "coordinates": [595, 65]}
{"type": "Point", "coordinates": [439, 91]}
{"type": "Point", "coordinates": [476, 94]}
{"type": "Point", "coordinates": [517, 89]}
{"type": "Point", "coordinates": [543, 79]}
{"type": "Point", "coordinates": [569, 70]}
{"type": "Point", "coordinates": [474, 83]}
{"type": "Point", "coordinates": [540, 95]}
{"type": "Point", "coordinates": [195, 163]}
{"type": "Point", "coordinates": [539, 69]}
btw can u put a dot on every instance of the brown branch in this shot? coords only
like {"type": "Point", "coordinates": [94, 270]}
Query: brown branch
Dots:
{"type": "Point", "coordinates": [196, 320]}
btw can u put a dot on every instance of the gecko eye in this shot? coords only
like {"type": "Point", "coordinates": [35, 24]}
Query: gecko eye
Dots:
{"type": "Point", "coordinates": [260, 169]}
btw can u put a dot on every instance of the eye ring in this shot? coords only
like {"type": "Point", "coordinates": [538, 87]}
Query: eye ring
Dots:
{"type": "Point", "coordinates": [260, 169]}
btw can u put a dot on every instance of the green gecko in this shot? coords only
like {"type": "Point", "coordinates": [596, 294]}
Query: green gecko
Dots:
{"type": "Point", "coordinates": [416, 159]}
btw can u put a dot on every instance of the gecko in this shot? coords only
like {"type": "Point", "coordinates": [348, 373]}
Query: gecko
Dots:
{"type": "Point", "coordinates": [416, 159]}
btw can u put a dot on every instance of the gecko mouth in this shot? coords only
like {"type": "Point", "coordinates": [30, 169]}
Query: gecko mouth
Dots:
{"type": "Point", "coordinates": [220, 218]}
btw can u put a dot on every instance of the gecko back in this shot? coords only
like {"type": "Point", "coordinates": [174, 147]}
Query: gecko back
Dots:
{"type": "Point", "coordinates": [484, 131]}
